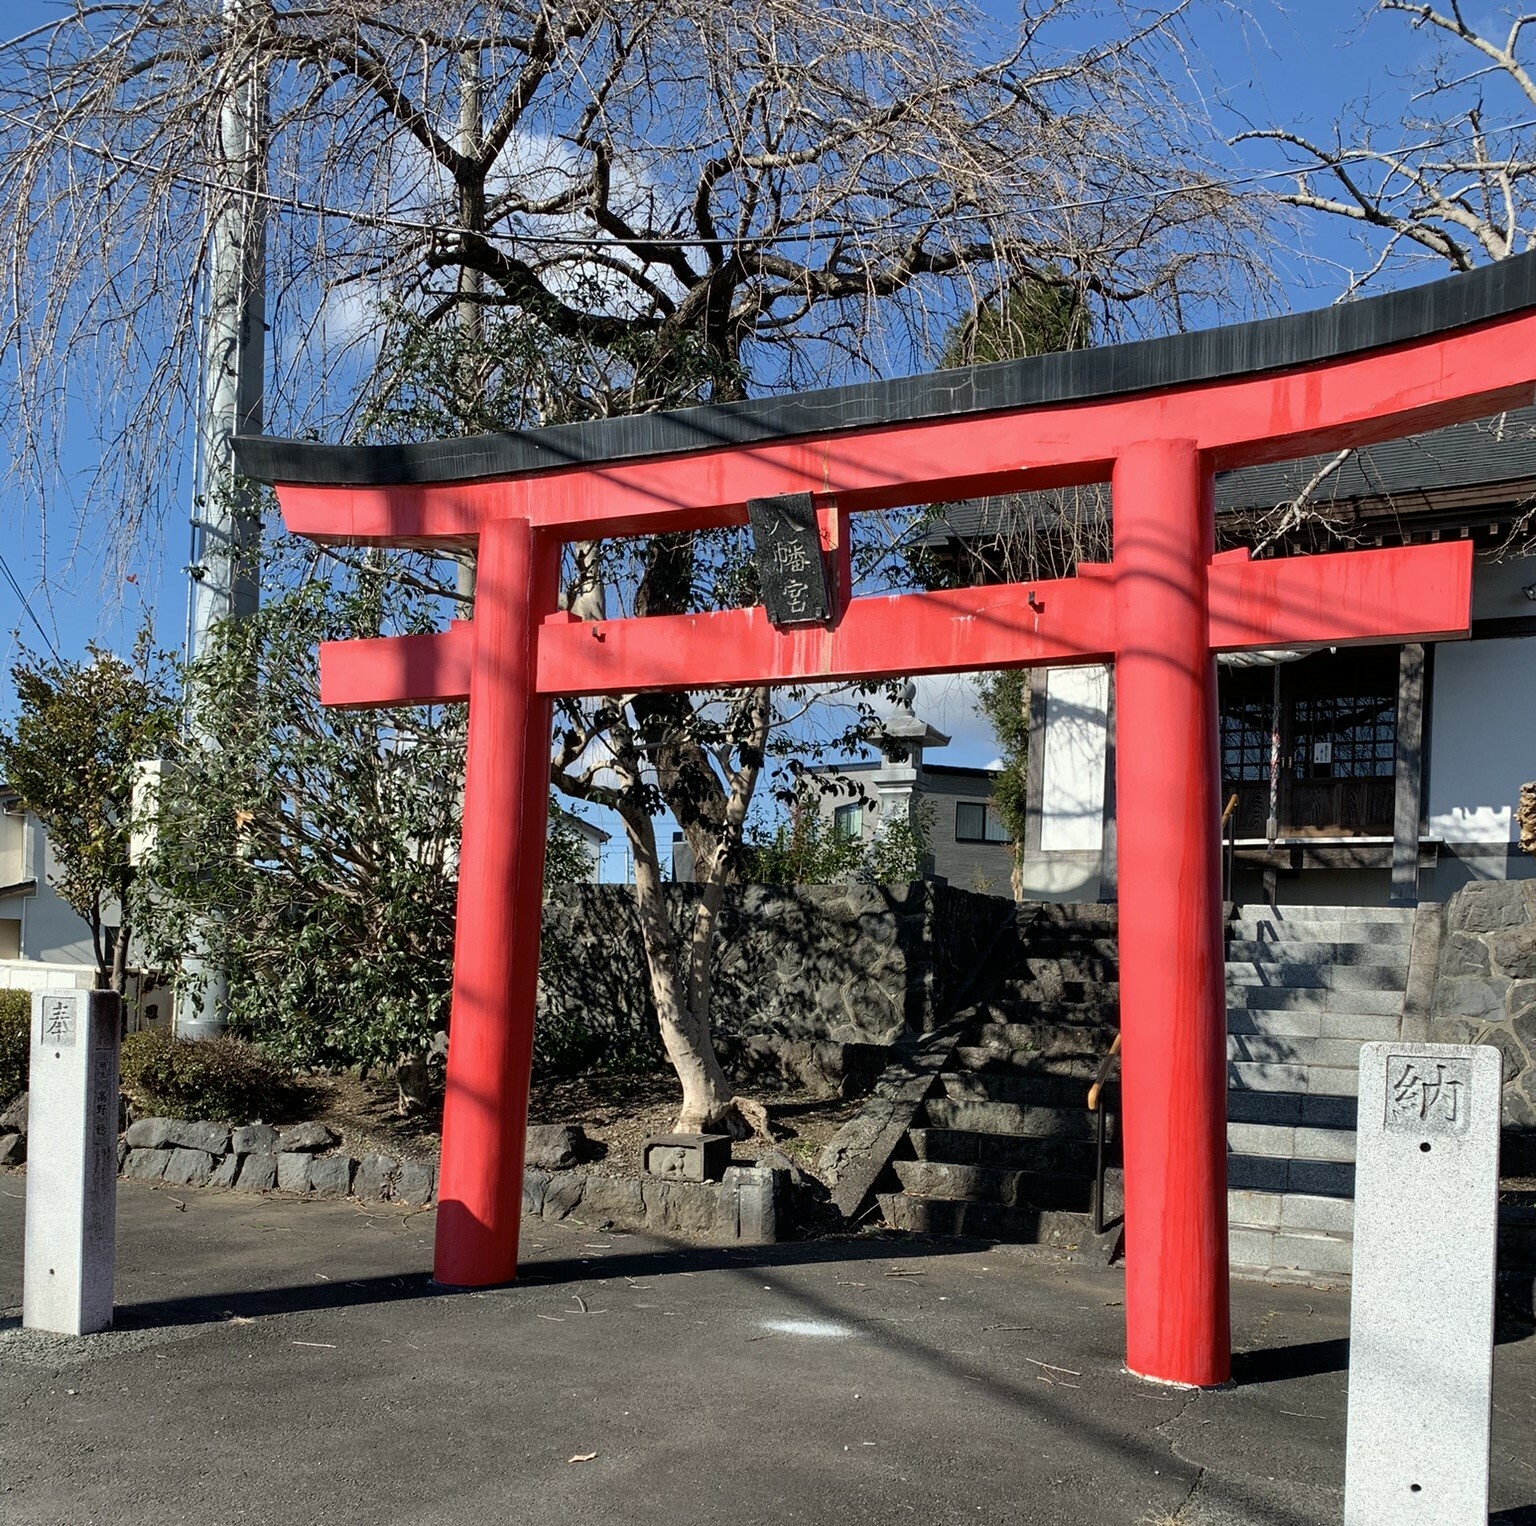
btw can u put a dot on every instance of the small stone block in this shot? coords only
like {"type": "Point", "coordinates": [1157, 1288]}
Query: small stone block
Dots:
{"type": "Point", "coordinates": [305, 1138]}
{"type": "Point", "coordinates": [255, 1139]}
{"type": "Point", "coordinates": [258, 1172]}
{"type": "Point", "coordinates": [151, 1133]}
{"type": "Point", "coordinates": [225, 1172]}
{"type": "Point", "coordinates": [186, 1134]}
{"type": "Point", "coordinates": [553, 1146]}
{"type": "Point", "coordinates": [535, 1185]}
{"type": "Point", "coordinates": [615, 1199]}
{"type": "Point", "coordinates": [146, 1165]}
{"type": "Point", "coordinates": [415, 1183]}
{"type": "Point", "coordinates": [14, 1118]}
{"type": "Point", "coordinates": [293, 1171]}
{"type": "Point", "coordinates": [331, 1175]}
{"type": "Point", "coordinates": [189, 1168]}
{"type": "Point", "coordinates": [687, 1157]}
{"type": "Point", "coordinates": [562, 1196]}
{"type": "Point", "coordinates": [13, 1149]}
{"type": "Point", "coordinates": [375, 1177]}
{"type": "Point", "coordinates": [753, 1188]}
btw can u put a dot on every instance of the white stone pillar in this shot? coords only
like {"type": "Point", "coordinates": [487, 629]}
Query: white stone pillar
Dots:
{"type": "Point", "coordinates": [1422, 1301]}
{"type": "Point", "coordinates": [71, 1161]}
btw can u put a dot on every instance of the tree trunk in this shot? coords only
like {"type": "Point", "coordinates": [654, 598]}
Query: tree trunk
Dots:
{"type": "Point", "coordinates": [708, 1105]}
{"type": "Point", "coordinates": [120, 959]}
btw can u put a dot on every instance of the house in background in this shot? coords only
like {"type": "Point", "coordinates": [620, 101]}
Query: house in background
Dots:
{"type": "Point", "coordinates": [43, 940]}
{"type": "Point", "coordinates": [593, 840]}
{"type": "Point", "coordinates": [1360, 775]}
{"type": "Point", "coordinates": [967, 842]}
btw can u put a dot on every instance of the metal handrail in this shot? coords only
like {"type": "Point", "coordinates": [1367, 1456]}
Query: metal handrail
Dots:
{"type": "Point", "coordinates": [1229, 855]}
{"type": "Point", "coordinates": [1105, 1066]}
{"type": "Point", "coordinates": [1095, 1097]}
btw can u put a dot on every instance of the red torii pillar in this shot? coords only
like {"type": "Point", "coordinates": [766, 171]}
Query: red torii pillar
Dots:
{"type": "Point", "coordinates": [1160, 611]}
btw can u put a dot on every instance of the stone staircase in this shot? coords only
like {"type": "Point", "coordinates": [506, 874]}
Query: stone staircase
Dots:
{"type": "Point", "coordinates": [1306, 986]}
{"type": "Point", "coordinates": [1004, 1146]}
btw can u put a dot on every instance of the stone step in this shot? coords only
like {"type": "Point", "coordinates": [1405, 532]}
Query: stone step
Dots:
{"type": "Point", "coordinates": [1283, 1022]}
{"type": "Point", "coordinates": [1280, 1254]}
{"type": "Point", "coordinates": [1282, 916]}
{"type": "Point", "coordinates": [1032, 991]}
{"type": "Point", "coordinates": [1307, 975]}
{"type": "Point", "coordinates": [1293, 1049]}
{"type": "Point", "coordinates": [1288, 1141]}
{"type": "Point", "coordinates": [1027, 1012]}
{"type": "Point", "coordinates": [1311, 1110]}
{"type": "Point", "coordinates": [1013, 1189]}
{"type": "Point", "coordinates": [978, 1060]}
{"type": "Point", "coordinates": [1306, 1211]}
{"type": "Point", "coordinates": [1308, 1080]}
{"type": "Point", "coordinates": [1026, 1152]}
{"type": "Point", "coordinates": [1038, 919]}
{"type": "Point", "coordinates": [1011, 1118]}
{"type": "Point", "coordinates": [987, 1221]}
{"type": "Point", "coordinates": [1262, 998]}
{"type": "Point", "coordinates": [1250, 951]}
{"type": "Point", "coordinates": [1386, 935]}
{"type": "Point", "coordinates": [1276, 1173]}
{"type": "Point", "coordinates": [1091, 1037]}
{"type": "Point", "coordinates": [1032, 1089]}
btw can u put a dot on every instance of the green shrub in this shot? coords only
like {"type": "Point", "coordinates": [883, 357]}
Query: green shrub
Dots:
{"type": "Point", "coordinates": [225, 1079]}
{"type": "Point", "coordinates": [15, 1042]}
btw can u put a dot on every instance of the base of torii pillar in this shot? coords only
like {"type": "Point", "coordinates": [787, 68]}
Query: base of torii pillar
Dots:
{"type": "Point", "coordinates": [1172, 972]}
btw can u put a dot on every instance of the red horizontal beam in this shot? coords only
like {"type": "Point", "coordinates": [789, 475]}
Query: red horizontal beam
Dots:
{"type": "Point", "coordinates": [955, 630]}
{"type": "Point", "coordinates": [398, 670]}
{"type": "Point", "coordinates": [1405, 594]}
{"type": "Point", "coordinates": [1357, 400]}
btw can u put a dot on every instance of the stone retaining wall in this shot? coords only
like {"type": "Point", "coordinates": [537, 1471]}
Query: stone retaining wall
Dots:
{"type": "Point", "coordinates": [1485, 993]}
{"type": "Point", "coordinates": [807, 979]}
{"type": "Point", "coordinates": [750, 1206]}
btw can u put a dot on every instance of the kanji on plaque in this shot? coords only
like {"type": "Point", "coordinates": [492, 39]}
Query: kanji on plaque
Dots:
{"type": "Point", "coordinates": [1427, 1096]}
{"type": "Point", "coordinates": [787, 545]}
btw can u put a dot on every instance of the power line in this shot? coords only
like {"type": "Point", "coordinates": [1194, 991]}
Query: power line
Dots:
{"type": "Point", "coordinates": [26, 604]}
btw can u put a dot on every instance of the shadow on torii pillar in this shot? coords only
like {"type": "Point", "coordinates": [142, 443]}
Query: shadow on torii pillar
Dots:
{"type": "Point", "coordinates": [1158, 419]}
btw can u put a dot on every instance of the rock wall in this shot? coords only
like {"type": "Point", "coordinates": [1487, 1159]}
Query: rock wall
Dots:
{"type": "Point", "coordinates": [1485, 993]}
{"type": "Point", "coordinates": [808, 980]}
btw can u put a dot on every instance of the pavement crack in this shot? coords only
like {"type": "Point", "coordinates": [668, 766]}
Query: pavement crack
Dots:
{"type": "Point", "coordinates": [1163, 1430]}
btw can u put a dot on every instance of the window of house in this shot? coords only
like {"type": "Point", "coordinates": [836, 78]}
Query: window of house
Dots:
{"type": "Point", "coordinates": [978, 822]}
{"type": "Point", "coordinates": [848, 821]}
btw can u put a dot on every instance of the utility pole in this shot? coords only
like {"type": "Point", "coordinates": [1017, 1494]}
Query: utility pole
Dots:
{"type": "Point", "coordinates": [226, 520]}
{"type": "Point", "coordinates": [471, 311]}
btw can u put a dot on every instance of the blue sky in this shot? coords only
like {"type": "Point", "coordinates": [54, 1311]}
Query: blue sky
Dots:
{"type": "Point", "coordinates": [1257, 65]}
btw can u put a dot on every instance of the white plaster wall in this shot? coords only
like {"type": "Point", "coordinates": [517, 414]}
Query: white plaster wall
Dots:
{"type": "Point", "coordinates": [1482, 738]}
{"type": "Point", "coordinates": [1076, 750]}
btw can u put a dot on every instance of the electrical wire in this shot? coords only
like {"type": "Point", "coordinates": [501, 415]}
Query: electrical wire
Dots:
{"type": "Point", "coordinates": [26, 604]}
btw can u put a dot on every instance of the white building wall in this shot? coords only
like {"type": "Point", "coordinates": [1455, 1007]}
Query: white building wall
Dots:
{"type": "Point", "coordinates": [1067, 861]}
{"type": "Point", "coordinates": [1482, 735]}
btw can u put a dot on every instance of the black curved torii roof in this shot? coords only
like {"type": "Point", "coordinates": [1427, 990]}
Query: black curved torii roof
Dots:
{"type": "Point", "coordinates": [1243, 349]}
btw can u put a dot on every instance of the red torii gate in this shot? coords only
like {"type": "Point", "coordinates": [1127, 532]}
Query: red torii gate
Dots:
{"type": "Point", "coordinates": [1158, 419]}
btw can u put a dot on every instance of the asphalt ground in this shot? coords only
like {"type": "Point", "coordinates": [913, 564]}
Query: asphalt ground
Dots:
{"type": "Point", "coordinates": [285, 1360]}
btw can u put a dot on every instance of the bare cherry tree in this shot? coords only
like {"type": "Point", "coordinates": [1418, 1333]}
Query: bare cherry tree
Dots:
{"type": "Point", "coordinates": [653, 203]}
{"type": "Point", "coordinates": [1451, 180]}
